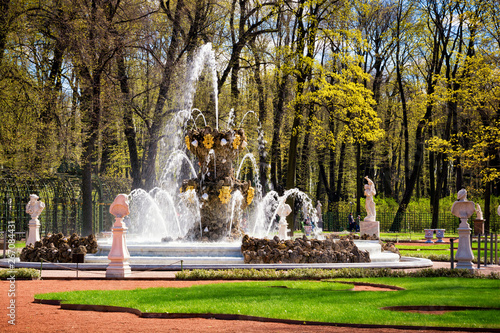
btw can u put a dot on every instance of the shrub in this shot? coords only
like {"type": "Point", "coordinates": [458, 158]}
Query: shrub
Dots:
{"type": "Point", "coordinates": [319, 274]}
{"type": "Point", "coordinates": [20, 273]}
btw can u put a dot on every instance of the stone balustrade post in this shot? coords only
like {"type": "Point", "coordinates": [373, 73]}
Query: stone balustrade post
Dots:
{"type": "Point", "coordinates": [463, 209]}
{"type": "Point", "coordinates": [118, 255]}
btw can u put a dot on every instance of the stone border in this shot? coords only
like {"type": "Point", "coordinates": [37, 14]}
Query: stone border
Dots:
{"type": "Point", "coordinates": [405, 262]}
{"type": "Point", "coordinates": [107, 308]}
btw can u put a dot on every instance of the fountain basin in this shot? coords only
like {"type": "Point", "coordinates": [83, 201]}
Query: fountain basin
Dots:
{"type": "Point", "coordinates": [211, 253]}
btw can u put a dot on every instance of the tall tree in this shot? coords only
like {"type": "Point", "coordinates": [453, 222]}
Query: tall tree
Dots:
{"type": "Point", "coordinates": [187, 21]}
{"type": "Point", "coordinates": [439, 21]}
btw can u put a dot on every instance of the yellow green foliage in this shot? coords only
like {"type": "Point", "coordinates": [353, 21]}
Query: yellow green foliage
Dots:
{"type": "Point", "coordinates": [348, 102]}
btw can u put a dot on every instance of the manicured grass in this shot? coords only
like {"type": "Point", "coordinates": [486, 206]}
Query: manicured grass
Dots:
{"type": "Point", "coordinates": [315, 300]}
{"type": "Point", "coordinates": [403, 236]}
{"type": "Point", "coordinates": [425, 247]}
{"type": "Point", "coordinates": [437, 252]}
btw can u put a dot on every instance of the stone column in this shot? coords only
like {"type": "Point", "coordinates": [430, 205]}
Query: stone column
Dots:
{"type": "Point", "coordinates": [119, 255]}
{"type": "Point", "coordinates": [34, 208]}
{"type": "Point", "coordinates": [463, 209]}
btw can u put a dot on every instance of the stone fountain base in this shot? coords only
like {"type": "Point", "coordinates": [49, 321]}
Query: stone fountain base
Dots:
{"type": "Point", "coordinates": [228, 254]}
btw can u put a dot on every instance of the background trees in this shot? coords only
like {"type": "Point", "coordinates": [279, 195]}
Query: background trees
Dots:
{"type": "Point", "coordinates": [404, 92]}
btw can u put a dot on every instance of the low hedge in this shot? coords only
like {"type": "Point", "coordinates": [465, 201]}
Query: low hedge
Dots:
{"type": "Point", "coordinates": [319, 274]}
{"type": "Point", "coordinates": [20, 273]}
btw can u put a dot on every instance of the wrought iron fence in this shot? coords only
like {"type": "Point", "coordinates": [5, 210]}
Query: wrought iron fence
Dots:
{"type": "Point", "coordinates": [411, 222]}
{"type": "Point", "coordinates": [62, 197]}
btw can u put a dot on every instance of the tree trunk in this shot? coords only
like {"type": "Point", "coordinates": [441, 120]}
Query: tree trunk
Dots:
{"type": "Point", "coordinates": [4, 24]}
{"type": "Point", "coordinates": [340, 174]}
{"type": "Point", "coordinates": [359, 181]}
{"type": "Point", "coordinates": [487, 207]}
{"type": "Point", "coordinates": [292, 149]}
{"type": "Point", "coordinates": [174, 53]}
{"type": "Point", "coordinates": [279, 101]}
{"type": "Point", "coordinates": [46, 137]}
{"type": "Point", "coordinates": [91, 110]}
{"type": "Point", "coordinates": [235, 92]}
{"type": "Point", "coordinates": [322, 175]}
{"type": "Point", "coordinates": [332, 195]}
{"type": "Point", "coordinates": [262, 119]}
{"type": "Point", "coordinates": [303, 177]}
{"type": "Point", "coordinates": [399, 79]}
{"type": "Point", "coordinates": [128, 121]}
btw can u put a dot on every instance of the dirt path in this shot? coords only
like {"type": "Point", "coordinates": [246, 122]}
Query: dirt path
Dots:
{"type": "Point", "coordinates": [31, 317]}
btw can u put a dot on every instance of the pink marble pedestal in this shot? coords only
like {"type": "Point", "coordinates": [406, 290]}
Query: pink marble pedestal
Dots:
{"type": "Point", "coordinates": [119, 255]}
{"type": "Point", "coordinates": [369, 228]}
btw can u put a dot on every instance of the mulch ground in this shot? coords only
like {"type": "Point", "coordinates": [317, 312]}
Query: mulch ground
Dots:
{"type": "Point", "coordinates": [32, 317]}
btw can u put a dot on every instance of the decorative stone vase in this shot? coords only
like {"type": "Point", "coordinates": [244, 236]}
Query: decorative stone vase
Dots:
{"type": "Point", "coordinates": [308, 230]}
{"type": "Point", "coordinates": [440, 235]}
{"type": "Point", "coordinates": [118, 255]}
{"type": "Point", "coordinates": [463, 209]}
{"type": "Point", "coordinates": [429, 235]}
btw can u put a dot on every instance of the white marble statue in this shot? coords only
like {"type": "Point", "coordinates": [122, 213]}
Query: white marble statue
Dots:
{"type": "Point", "coordinates": [318, 212]}
{"type": "Point", "coordinates": [498, 210]}
{"type": "Point", "coordinates": [34, 207]}
{"type": "Point", "coordinates": [283, 211]}
{"type": "Point", "coordinates": [479, 212]}
{"type": "Point", "coordinates": [370, 192]}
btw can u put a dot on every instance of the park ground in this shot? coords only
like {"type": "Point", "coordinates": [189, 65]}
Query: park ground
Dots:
{"type": "Point", "coordinates": [32, 317]}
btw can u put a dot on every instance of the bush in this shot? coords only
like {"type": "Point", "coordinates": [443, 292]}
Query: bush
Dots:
{"type": "Point", "coordinates": [319, 274]}
{"type": "Point", "coordinates": [20, 273]}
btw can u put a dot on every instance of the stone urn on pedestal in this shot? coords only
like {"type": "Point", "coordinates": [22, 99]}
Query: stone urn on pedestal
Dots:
{"type": "Point", "coordinates": [463, 209]}
{"type": "Point", "coordinates": [34, 207]}
{"type": "Point", "coordinates": [429, 235]}
{"type": "Point", "coordinates": [119, 255]}
{"type": "Point", "coordinates": [370, 226]}
{"type": "Point", "coordinates": [220, 195]}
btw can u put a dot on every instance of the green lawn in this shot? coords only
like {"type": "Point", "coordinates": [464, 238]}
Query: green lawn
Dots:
{"type": "Point", "coordinates": [324, 301]}
{"type": "Point", "coordinates": [406, 236]}
{"type": "Point", "coordinates": [438, 252]}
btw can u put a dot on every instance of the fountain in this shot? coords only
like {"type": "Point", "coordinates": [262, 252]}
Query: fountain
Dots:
{"type": "Point", "coordinates": [196, 212]}
{"type": "Point", "coordinates": [201, 215]}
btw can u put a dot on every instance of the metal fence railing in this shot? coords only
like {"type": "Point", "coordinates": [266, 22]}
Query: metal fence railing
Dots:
{"type": "Point", "coordinates": [61, 194]}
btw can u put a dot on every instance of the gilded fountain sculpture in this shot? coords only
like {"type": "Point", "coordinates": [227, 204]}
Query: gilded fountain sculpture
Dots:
{"type": "Point", "coordinates": [216, 188]}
